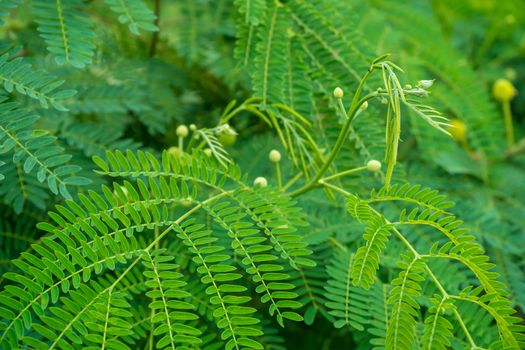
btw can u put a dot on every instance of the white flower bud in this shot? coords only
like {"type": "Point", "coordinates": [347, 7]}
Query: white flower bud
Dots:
{"type": "Point", "coordinates": [425, 84]}
{"type": "Point", "coordinates": [408, 87]}
{"type": "Point", "coordinates": [275, 156]}
{"type": "Point", "coordinates": [261, 182]}
{"type": "Point", "coordinates": [207, 152]}
{"type": "Point", "coordinates": [384, 101]}
{"type": "Point", "coordinates": [338, 93]}
{"type": "Point", "coordinates": [193, 127]}
{"type": "Point", "coordinates": [182, 131]}
{"type": "Point", "coordinates": [373, 165]}
{"type": "Point", "coordinates": [364, 106]}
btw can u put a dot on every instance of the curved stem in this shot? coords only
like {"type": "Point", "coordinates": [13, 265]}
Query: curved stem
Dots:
{"type": "Point", "coordinates": [343, 173]}
{"type": "Point", "coordinates": [338, 144]}
{"type": "Point", "coordinates": [509, 128]}
{"type": "Point", "coordinates": [279, 176]}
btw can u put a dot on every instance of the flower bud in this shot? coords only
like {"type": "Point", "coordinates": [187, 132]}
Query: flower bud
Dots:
{"type": "Point", "coordinates": [373, 165]}
{"type": "Point", "coordinates": [226, 135]}
{"type": "Point", "coordinates": [175, 151]}
{"type": "Point", "coordinates": [207, 152]}
{"type": "Point", "coordinates": [182, 131]}
{"type": "Point", "coordinates": [425, 84]}
{"type": "Point", "coordinates": [260, 181]}
{"type": "Point", "coordinates": [384, 101]}
{"type": "Point", "coordinates": [503, 90]}
{"type": "Point", "coordinates": [364, 106]}
{"type": "Point", "coordinates": [275, 156]}
{"type": "Point", "coordinates": [338, 93]}
{"type": "Point", "coordinates": [408, 87]}
{"type": "Point", "coordinates": [458, 130]}
{"type": "Point", "coordinates": [193, 127]}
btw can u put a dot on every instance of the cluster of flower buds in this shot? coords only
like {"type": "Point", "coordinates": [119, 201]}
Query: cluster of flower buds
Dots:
{"type": "Point", "coordinates": [421, 88]}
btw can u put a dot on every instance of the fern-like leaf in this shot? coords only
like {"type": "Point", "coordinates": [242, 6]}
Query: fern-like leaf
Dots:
{"type": "Point", "coordinates": [346, 305]}
{"type": "Point", "coordinates": [438, 330]}
{"type": "Point", "coordinates": [270, 62]}
{"type": "Point", "coordinates": [253, 10]}
{"type": "Point", "coordinates": [165, 290]}
{"type": "Point", "coordinates": [367, 257]}
{"type": "Point", "coordinates": [36, 150]}
{"type": "Point", "coordinates": [6, 7]}
{"type": "Point", "coordinates": [18, 75]}
{"type": "Point", "coordinates": [135, 14]}
{"type": "Point", "coordinates": [68, 32]}
{"type": "Point", "coordinates": [401, 332]}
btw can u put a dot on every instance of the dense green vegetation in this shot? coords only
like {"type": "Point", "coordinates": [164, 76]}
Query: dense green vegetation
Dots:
{"type": "Point", "coordinates": [262, 174]}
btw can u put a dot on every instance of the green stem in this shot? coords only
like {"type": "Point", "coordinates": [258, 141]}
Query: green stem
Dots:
{"type": "Point", "coordinates": [292, 181]}
{"type": "Point", "coordinates": [394, 133]}
{"type": "Point", "coordinates": [343, 173]}
{"type": "Point", "coordinates": [509, 127]}
{"type": "Point", "coordinates": [338, 144]}
{"type": "Point", "coordinates": [181, 143]}
{"type": "Point", "coordinates": [279, 178]}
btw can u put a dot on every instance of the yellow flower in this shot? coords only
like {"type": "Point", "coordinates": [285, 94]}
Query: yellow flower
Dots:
{"type": "Point", "coordinates": [458, 130]}
{"type": "Point", "coordinates": [503, 90]}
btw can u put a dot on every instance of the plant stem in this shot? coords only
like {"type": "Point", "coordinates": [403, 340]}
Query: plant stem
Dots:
{"type": "Point", "coordinates": [354, 107]}
{"type": "Point", "coordinates": [292, 181]}
{"type": "Point", "coordinates": [181, 143]}
{"type": "Point", "coordinates": [509, 127]}
{"type": "Point", "coordinates": [279, 178]}
{"type": "Point", "coordinates": [155, 36]}
{"type": "Point", "coordinates": [343, 173]}
{"type": "Point", "coordinates": [394, 133]}
{"type": "Point", "coordinates": [338, 144]}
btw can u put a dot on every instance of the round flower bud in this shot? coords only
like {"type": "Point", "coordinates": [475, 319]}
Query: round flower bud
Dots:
{"type": "Point", "coordinates": [193, 127]}
{"type": "Point", "coordinates": [260, 181]}
{"type": "Point", "coordinates": [175, 151]}
{"type": "Point", "coordinates": [458, 130]}
{"type": "Point", "coordinates": [182, 131]}
{"type": "Point", "coordinates": [384, 101]}
{"type": "Point", "coordinates": [226, 135]}
{"type": "Point", "coordinates": [364, 106]}
{"type": "Point", "coordinates": [373, 165]}
{"type": "Point", "coordinates": [408, 87]}
{"type": "Point", "coordinates": [275, 156]}
{"type": "Point", "coordinates": [227, 139]}
{"type": "Point", "coordinates": [207, 152]}
{"type": "Point", "coordinates": [425, 84]}
{"type": "Point", "coordinates": [338, 93]}
{"type": "Point", "coordinates": [503, 90]}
